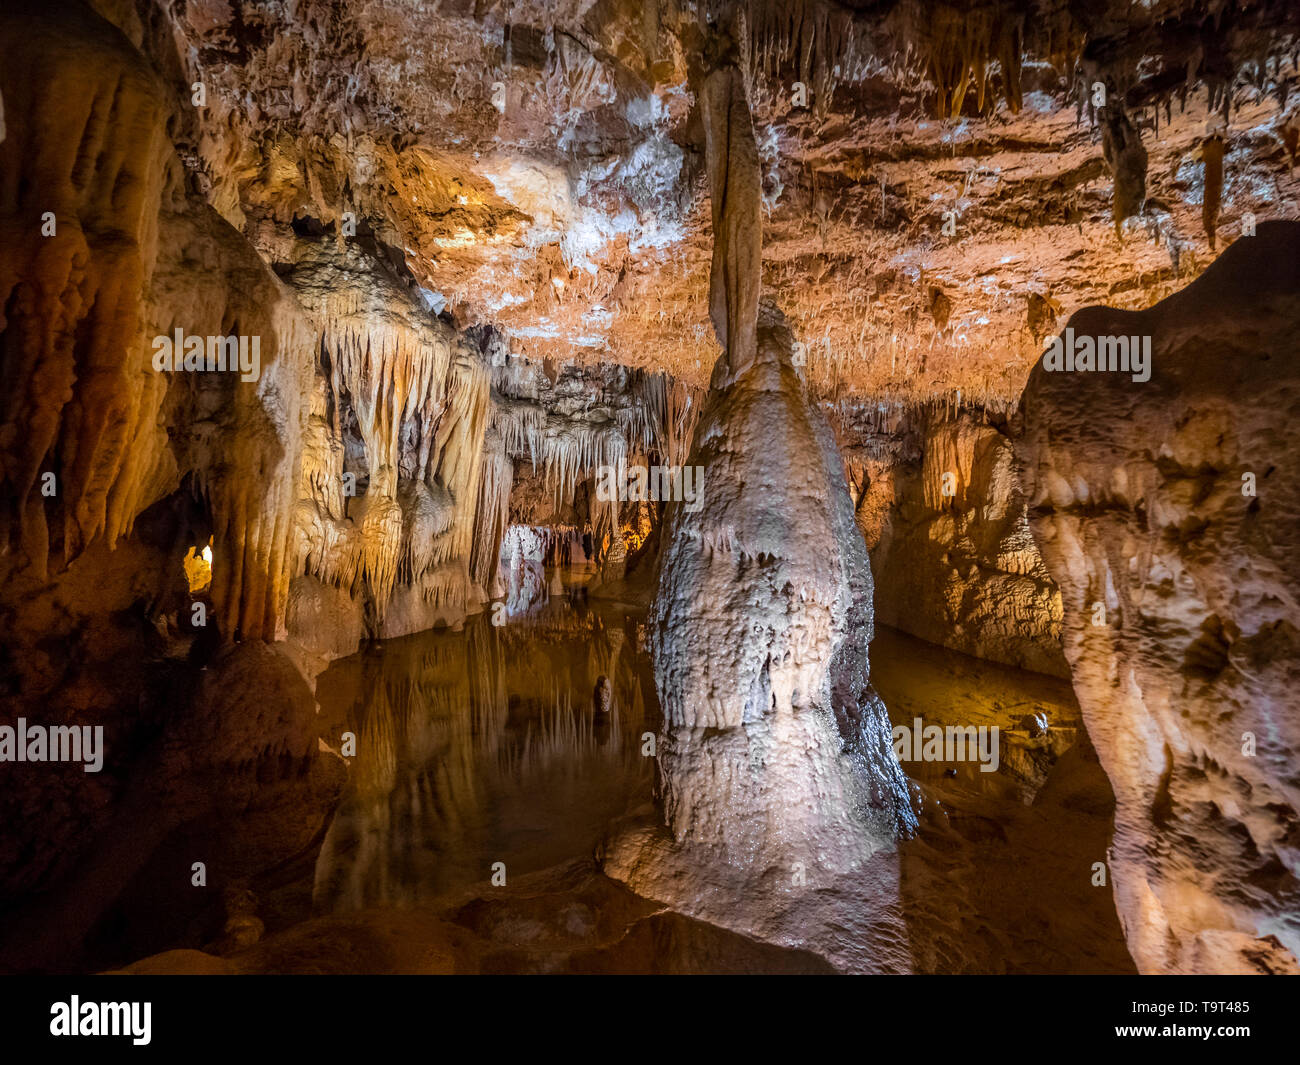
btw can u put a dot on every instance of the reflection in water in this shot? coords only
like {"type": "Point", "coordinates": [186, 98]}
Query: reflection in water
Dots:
{"type": "Point", "coordinates": [999, 878]}
{"type": "Point", "coordinates": [483, 746]}
{"type": "Point", "coordinates": [486, 746]}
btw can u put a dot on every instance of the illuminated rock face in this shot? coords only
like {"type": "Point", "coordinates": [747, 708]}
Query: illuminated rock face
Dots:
{"type": "Point", "coordinates": [118, 253]}
{"type": "Point", "coordinates": [951, 550]}
{"type": "Point", "coordinates": [1181, 593]}
{"type": "Point", "coordinates": [770, 576]}
{"type": "Point", "coordinates": [392, 466]}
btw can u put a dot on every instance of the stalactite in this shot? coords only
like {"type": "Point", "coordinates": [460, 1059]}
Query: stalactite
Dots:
{"type": "Point", "coordinates": [81, 215]}
{"type": "Point", "coordinates": [1291, 137]}
{"type": "Point", "coordinates": [735, 191]}
{"type": "Point", "coordinates": [671, 409]}
{"type": "Point", "coordinates": [820, 41]}
{"type": "Point", "coordinates": [1212, 149]}
{"type": "Point", "coordinates": [421, 403]}
{"type": "Point", "coordinates": [959, 44]}
{"type": "Point", "coordinates": [1126, 157]}
{"type": "Point", "coordinates": [128, 254]}
{"type": "Point", "coordinates": [493, 511]}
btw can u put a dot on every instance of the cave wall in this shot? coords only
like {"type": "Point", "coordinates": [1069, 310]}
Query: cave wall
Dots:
{"type": "Point", "coordinates": [944, 517]}
{"type": "Point", "coordinates": [131, 254]}
{"type": "Point", "coordinates": [1167, 513]}
{"type": "Point", "coordinates": [389, 487]}
{"type": "Point", "coordinates": [112, 467]}
{"type": "Point", "coordinates": [554, 427]}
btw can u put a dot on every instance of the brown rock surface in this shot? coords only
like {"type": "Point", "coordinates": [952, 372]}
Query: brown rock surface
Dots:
{"type": "Point", "coordinates": [1182, 603]}
{"type": "Point", "coordinates": [951, 551]}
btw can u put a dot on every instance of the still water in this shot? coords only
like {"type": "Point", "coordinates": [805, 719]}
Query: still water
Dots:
{"type": "Point", "coordinates": [484, 746]}
{"type": "Point", "coordinates": [481, 754]}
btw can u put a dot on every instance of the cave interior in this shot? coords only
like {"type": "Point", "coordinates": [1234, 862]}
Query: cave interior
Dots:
{"type": "Point", "coordinates": [649, 486]}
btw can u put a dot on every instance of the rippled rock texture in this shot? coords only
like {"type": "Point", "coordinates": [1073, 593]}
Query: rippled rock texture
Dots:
{"type": "Point", "coordinates": [1168, 512]}
{"type": "Point", "coordinates": [778, 778]}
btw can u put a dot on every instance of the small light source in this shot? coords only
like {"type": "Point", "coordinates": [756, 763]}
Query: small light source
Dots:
{"type": "Point", "coordinates": [198, 568]}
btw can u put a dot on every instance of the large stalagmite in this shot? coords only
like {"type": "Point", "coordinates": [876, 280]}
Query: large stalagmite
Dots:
{"type": "Point", "coordinates": [1167, 511]}
{"type": "Point", "coordinates": [778, 781]}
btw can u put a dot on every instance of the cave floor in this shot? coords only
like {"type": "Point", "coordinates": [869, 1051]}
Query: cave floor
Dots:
{"type": "Point", "coordinates": [479, 760]}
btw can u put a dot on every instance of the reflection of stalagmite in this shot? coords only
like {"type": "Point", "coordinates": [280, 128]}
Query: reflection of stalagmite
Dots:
{"type": "Point", "coordinates": [777, 773]}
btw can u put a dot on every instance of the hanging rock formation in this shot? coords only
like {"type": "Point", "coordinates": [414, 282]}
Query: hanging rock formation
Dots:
{"type": "Point", "coordinates": [1212, 151]}
{"type": "Point", "coordinates": [391, 471]}
{"type": "Point", "coordinates": [551, 436]}
{"type": "Point", "coordinates": [735, 185]}
{"type": "Point", "coordinates": [1168, 513]}
{"type": "Point", "coordinates": [1127, 159]}
{"type": "Point", "coordinates": [108, 250]}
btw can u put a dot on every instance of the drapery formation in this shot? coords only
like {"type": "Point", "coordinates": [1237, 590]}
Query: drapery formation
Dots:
{"type": "Point", "coordinates": [105, 250]}
{"type": "Point", "coordinates": [391, 482]}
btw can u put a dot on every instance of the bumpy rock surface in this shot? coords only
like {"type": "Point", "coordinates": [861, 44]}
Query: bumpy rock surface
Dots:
{"type": "Point", "coordinates": [1182, 603]}
{"type": "Point", "coordinates": [953, 558]}
{"type": "Point", "coordinates": [778, 777]}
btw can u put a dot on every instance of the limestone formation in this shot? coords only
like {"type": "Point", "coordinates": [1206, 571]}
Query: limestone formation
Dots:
{"type": "Point", "coordinates": [953, 558]}
{"type": "Point", "coordinates": [1127, 159]}
{"type": "Point", "coordinates": [395, 396]}
{"type": "Point", "coordinates": [1167, 513]}
{"type": "Point", "coordinates": [778, 780]}
{"type": "Point", "coordinates": [390, 482]}
{"type": "Point", "coordinates": [734, 186]}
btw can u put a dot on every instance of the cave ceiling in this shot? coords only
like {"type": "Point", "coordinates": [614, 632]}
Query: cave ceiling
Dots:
{"type": "Point", "coordinates": [940, 186]}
